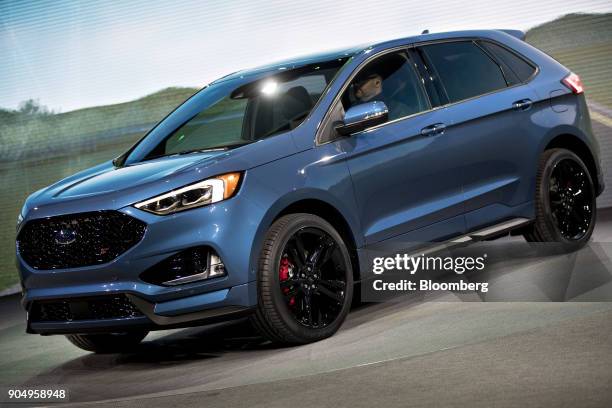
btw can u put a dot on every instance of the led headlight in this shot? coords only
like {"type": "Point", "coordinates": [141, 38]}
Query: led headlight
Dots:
{"type": "Point", "coordinates": [194, 195]}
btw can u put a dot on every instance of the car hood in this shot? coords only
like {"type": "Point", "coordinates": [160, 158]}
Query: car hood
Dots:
{"type": "Point", "coordinates": [108, 178]}
{"type": "Point", "coordinates": [107, 187]}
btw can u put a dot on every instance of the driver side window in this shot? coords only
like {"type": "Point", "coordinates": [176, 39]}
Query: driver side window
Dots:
{"type": "Point", "coordinates": [391, 79]}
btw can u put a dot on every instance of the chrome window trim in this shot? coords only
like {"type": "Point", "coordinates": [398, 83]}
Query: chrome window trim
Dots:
{"type": "Point", "coordinates": [407, 47]}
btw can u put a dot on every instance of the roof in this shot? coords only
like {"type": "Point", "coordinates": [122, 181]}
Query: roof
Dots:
{"type": "Point", "coordinates": [301, 61]}
{"type": "Point", "coordinates": [295, 62]}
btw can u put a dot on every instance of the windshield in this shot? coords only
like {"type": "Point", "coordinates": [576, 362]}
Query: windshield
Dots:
{"type": "Point", "coordinates": [235, 113]}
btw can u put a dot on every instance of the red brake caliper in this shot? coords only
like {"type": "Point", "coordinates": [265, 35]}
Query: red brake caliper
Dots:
{"type": "Point", "coordinates": [283, 274]}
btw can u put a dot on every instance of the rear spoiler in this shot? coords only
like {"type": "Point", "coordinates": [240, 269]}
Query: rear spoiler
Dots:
{"type": "Point", "coordinates": [515, 33]}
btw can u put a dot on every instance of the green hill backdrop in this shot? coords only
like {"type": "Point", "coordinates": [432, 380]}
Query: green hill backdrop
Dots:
{"type": "Point", "coordinates": [583, 43]}
{"type": "Point", "coordinates": [35, 135]}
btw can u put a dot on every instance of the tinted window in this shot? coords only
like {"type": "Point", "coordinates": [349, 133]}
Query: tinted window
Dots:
{"type": "Point", "coordinates": [212, 127]}
{"type": "Point", "coordinates": [390, 79]}
{"type": "Point", "coordinates": [235, 115]}
{"type": "Point", "coordinates": [433, 86]}
{"type": "Point", "coordinates": [287, 106]}
{"type": "Point", "coordinates": [464, 69]}
{"type": "Point", "coordinates": [521, 68]}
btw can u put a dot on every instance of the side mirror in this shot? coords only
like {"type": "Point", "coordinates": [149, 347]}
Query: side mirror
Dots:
{"type": "Point", "coordinates": [363, 116]}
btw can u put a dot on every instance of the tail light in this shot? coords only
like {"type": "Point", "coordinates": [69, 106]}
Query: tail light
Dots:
{"type": "Point", "coordinates": [574, 83]}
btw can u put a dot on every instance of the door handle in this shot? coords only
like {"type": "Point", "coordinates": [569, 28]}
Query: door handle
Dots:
{"type": "Point", "coordinates": [432, 130]}
{"type": "Point", "coordinates": [522, 105]}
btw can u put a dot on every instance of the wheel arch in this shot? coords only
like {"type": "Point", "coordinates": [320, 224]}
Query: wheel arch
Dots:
{"type": "Point", "coordinates": [330, 214]}
{"type": "Point", "coordinates": [323, 207]}
{"type": "Point", "coordinates": [578, 146]}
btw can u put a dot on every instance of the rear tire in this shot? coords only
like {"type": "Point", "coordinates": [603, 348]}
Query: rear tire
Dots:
{"type": "Point", "coordinates": [564, 202]}
{"type": "Point", "coordinates": [305, 281]}
{"type": "Point", "coordinates": [108, 342]}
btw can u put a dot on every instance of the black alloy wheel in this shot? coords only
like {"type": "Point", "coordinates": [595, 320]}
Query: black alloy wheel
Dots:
{"type": "Point", "coordinates": [571, 199]}
{"type": "Point", "coordinates": [564, 202]}
{"type": "Point", "coordinates": [312, 277]}
{"type": "Point", "coordinates": [305, 280]}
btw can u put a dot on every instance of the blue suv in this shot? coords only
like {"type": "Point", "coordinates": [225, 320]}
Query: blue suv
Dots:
{"type": "Point", "coordinates": [261, 194]}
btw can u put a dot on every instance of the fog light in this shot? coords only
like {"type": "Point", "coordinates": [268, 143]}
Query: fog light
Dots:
{"type": "Point", "coordinates": [216, 267]}
{"type": "Point", "coordinates": [190, 265]}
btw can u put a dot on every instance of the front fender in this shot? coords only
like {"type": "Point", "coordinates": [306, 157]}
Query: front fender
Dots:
{"type": "Point", "coordinates": [317, 174]}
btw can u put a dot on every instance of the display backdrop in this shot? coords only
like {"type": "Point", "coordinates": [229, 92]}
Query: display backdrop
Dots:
{"type": "Point", "coordinates": [73, 74]}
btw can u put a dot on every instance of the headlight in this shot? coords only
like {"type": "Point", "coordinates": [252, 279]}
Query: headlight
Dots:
{"type": "Point", "coordinates": [194, 195]}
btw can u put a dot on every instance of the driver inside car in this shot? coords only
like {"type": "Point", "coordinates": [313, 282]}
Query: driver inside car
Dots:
{"type": "Point", "coordinates": [392, 91]}
{"type": "Point", "coordinates": [368, 88]}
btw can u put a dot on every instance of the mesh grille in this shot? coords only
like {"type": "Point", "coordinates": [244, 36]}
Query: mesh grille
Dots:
{"type": "Point", "coordinates": [103, 307]}
{"type": "Point", "coordinates": [76, 240]}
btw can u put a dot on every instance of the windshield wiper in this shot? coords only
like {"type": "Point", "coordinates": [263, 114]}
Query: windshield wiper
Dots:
{"type": "Point", "coordinates": [215, 149]}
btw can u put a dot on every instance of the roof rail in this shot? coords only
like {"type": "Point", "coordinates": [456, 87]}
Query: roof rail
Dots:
{"type": "Point", "coordinates": [515, 33]}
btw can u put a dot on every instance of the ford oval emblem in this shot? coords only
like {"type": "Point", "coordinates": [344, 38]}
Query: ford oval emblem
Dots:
{"type": "Point", "coordinates": [65, 236]}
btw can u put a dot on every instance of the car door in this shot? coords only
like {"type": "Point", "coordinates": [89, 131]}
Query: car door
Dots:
{"type": "Point", "coordinates": [491, 123]}
{"type": "Point", "coordinates": [405, 172]}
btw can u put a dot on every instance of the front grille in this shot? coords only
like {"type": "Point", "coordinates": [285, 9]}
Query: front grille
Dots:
{"type": "Point", "coordinates": [75, 240]}
{"type": "Point", "coordinates": [94, 308]}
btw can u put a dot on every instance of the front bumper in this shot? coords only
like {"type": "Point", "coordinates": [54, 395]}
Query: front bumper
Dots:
{"type": "Point", "coordinates": [228, 228]}
{"type": "Point", "coordinates": [205, 308]}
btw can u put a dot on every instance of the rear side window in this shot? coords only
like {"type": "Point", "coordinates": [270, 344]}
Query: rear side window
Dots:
{"type": "Point", "coordinates": [464, 69]}
{"type": "Point", "coordinates": [521, 68]}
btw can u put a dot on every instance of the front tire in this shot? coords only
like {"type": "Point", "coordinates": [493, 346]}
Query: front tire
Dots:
{"type": "Point", "coordinates": [305, 281]}
{"type": "Point", "coordinates": [108, 342]}
{"type": "Point", "coordinates": [565, 201]}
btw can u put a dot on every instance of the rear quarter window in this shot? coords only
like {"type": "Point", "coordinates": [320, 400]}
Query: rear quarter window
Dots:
{"type": "Point", "coordinates": [521, 68]}
{"type": "Point", "coordinates": [464, 69]}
